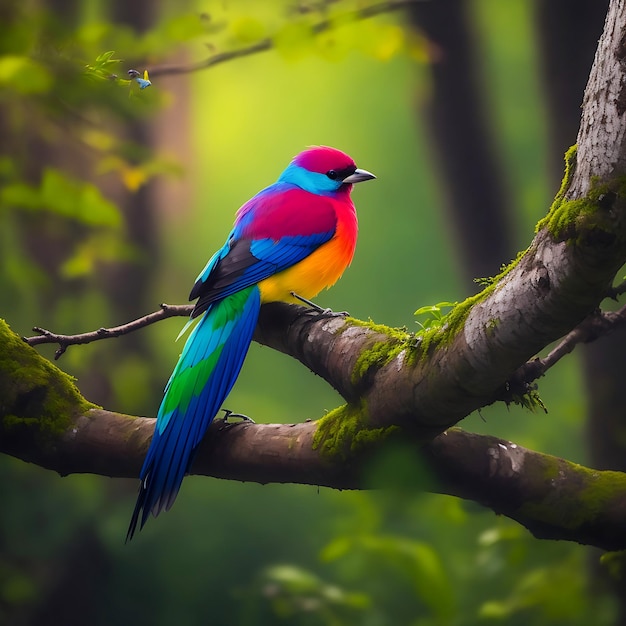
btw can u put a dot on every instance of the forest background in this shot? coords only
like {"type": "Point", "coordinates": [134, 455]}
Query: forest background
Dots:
{"type": "Point", "coordinates": [112, 200]}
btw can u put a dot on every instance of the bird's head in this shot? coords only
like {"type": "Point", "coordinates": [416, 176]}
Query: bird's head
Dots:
{"type": "Point", "coordinates": [324, 170]}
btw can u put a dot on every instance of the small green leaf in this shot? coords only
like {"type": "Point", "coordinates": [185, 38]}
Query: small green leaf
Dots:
{"type": "Point", "coordinates": [495, 610]}
{"type": "Point", "coordinates": [100, 247]}
{"type": "Point", "coordinates": [426, 309]}
{"type": "Point", "coordinates": [436, 317]}
{"type": "Point", "coordinates": [105, 57]}
{"type": "Point", "coordinates": [336, 549]}
{"type": "Point", "coordinates": [81, 201]}
{"type": "Point", "coordinates": [104, 67]}
{"type": "Point", "coordinates": [63, 196]}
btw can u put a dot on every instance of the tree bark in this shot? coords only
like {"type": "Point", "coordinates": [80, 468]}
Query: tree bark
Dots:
{"type": "Point", "coordinates": [552, 497]}
{"type": "Point", "coordinates": [567, 40]}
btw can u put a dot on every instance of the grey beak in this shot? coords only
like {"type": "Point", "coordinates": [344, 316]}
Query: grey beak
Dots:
{"type": "Point", "coordinates": [358, 176]}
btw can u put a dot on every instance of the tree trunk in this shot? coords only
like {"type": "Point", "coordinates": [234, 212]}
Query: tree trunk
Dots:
{"type": "Point", "coordinates": [462, 142]}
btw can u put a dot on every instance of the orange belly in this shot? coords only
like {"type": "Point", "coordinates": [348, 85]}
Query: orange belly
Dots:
{"type": "Point", "coordinates": [307, 278]}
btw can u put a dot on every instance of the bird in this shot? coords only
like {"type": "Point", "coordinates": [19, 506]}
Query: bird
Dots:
{"type": "Point", "coordinates": [289, 241]}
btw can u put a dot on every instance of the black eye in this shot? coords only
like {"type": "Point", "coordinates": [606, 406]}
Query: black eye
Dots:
{"type": "Point", "coordinates": [331, 174]}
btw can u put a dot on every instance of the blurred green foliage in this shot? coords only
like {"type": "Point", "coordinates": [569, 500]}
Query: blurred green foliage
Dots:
{"type": "Point", "coordinates": [242, 553]}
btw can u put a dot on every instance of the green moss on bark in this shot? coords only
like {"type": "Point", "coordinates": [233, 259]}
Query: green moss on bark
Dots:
{"type": "Point", "coordinates": [381, 352]}
{"type": "Point", "coordinates": [598, 492]}
{"type": "Point", "coordinates": [575, 220]}
{"type": "Point", "coordinates": [570, 167]}
{"type": "Point", "coordinates": [35, 395]}
{"type": "Point", "coordinates": [345, 431]}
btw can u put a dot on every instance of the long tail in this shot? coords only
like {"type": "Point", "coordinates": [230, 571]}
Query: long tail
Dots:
{"type": "Point", "coordinates": [204, 375]}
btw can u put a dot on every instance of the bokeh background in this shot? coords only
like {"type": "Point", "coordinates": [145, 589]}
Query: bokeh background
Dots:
{"type": "Point", "coordinates": [111, 201]}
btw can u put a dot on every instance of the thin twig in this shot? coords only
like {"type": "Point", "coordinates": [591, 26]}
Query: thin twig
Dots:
{"type": "Point", "coordinates": [596, 325]}
{"type": "Point", "coordinates": [268, 43]}
{"type": "Point", "coordinates": [64, 341]}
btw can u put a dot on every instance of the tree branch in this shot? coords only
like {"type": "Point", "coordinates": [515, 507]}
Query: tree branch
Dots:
{"type": "Point", "coordinates": [398, 385]}
{"type": "Point", "coordinates": [44, 420]}
{"type": "Point", "coordinates": [64, 341]}
{"type": "Point", "coordinates": [597, 324]}
{"type": "Point", "coordinates": [268, 43]}
{"type": "Point", "coordinates": [541, 492]}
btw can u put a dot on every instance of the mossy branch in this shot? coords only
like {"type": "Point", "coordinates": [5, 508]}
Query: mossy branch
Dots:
{"type": "Point", "coordinates": [45, 420]}
{"type": "Point", "coordinates": [420, 385]}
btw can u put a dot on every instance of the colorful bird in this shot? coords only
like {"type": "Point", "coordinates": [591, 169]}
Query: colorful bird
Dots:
{"type": "Point", "coordinates": [136, 76]}
{"type": "Point", "coordinates": [296, 236]}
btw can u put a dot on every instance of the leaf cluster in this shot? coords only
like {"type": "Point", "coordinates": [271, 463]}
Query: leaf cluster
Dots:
{"type": "Point", "coordinates": [433, 315]}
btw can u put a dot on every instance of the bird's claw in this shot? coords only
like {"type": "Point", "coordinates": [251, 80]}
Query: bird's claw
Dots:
{"type": "Point", "coordinates": [228, 414]}
{"type": "Point", "coordinates": [319, 309]}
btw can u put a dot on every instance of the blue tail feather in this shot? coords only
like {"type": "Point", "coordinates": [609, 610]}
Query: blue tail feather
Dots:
{"type": "Point", "coordinates": [227, 325]}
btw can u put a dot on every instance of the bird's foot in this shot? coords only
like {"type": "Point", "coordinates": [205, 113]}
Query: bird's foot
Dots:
{"type": "Point", "coordinates": [228, 414]}
{"type": "Point", "coordinates": [319, 309]}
